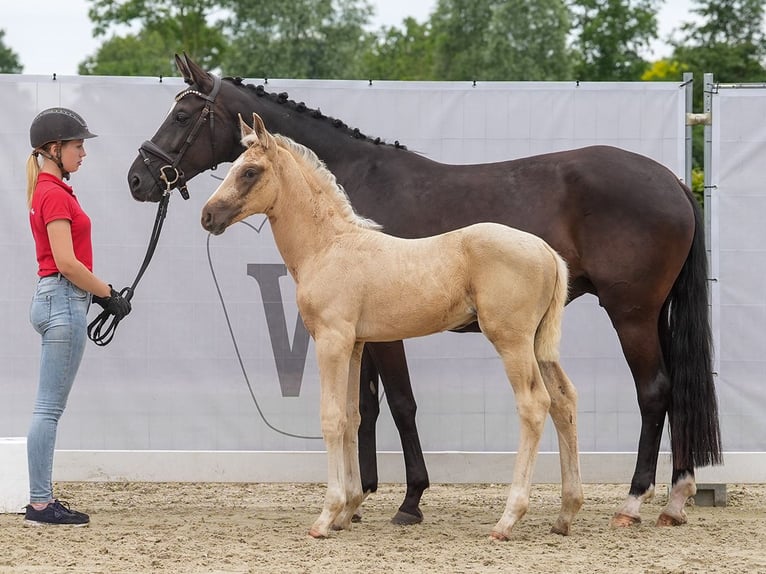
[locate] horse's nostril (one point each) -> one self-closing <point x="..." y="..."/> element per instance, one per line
<point x="134" y="181"/>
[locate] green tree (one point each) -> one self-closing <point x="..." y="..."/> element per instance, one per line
<point x="9" y="61"/>
<point x="400" y="54"/>
<point x="609" y="36"/>
<point x="663" y="70"/>
<point x="500" y="40"/>
<point x="165" y="27"/>
<point x="297" y="39"/>
<point x="142" y="54"/>
<point x="528" y="41"/>
<point x="727" y="40"/>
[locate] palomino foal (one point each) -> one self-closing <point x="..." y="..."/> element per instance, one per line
<point x="356" y="284"/>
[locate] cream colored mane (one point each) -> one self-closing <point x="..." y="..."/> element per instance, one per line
<point x="313" y="163"/>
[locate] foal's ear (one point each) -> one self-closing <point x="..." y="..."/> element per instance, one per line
<point x="260" y="129"/>
<point x="244" y="129"/>
<point x="264" y="137"/>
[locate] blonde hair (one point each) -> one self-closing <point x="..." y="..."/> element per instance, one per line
<point x="33" y="170"/>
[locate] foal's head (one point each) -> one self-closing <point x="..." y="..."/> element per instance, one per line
<point x="251" y="184"/>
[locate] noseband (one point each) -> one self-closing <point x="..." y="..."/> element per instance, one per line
<point x="169" y="175"/>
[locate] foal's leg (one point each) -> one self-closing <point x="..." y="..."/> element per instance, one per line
<point x="333" y="355"/>
<point x="532" y="404"/>
<point x="564" y="414"/>
<point x="350" y="443"/>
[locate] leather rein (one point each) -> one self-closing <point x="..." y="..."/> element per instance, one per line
<point x="101" y="330"/>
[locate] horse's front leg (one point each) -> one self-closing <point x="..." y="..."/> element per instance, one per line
<point x="391" y="363"/>
<point x="333" y="355"/>
<point x="369" y="409"/>
<point x="350" y="443"/>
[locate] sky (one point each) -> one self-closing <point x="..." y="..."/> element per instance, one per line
<point x="54" y="36"/>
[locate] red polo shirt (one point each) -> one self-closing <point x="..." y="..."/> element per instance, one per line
<point x="53" y="199"/>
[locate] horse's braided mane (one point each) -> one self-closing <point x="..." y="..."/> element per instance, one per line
<point x="283" y="99"/>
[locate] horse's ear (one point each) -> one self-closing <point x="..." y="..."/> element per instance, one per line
<point x="192" y="73"/>
<point x="244" y="129"/>
<point x="183" y="67"/>
<point x="260" y="130"/>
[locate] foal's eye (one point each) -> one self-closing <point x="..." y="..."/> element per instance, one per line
<point x="250" y="173"/>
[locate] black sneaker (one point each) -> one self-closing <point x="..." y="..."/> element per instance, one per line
<point x="56" y="512"/>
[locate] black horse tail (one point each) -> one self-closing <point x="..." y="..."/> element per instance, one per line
<point x="686" y="338"/>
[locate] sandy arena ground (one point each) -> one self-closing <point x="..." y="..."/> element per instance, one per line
<point x="206" y="528"/>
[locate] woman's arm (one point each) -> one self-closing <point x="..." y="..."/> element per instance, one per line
<point x="60" y="237"/>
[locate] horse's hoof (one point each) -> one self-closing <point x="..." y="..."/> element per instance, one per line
<point x="623" y="520"/>
<point x="406" y="519"/>
<point x="495" y="535"/>
<point x="356" y="518"/>
<point x="667" y="520"/>
<point x="563" y="530"/>
<point x="316" y="534"/>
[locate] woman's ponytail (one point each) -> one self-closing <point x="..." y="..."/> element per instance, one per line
<point x="33" y="170"/>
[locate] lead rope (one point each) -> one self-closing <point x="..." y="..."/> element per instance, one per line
<point x="101" y="330"/>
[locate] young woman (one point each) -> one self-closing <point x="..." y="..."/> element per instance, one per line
<point x="61" y="231"/>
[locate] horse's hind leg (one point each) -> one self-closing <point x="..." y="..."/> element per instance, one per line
<point x="564" y="414"/>
<point x="640" y="343"/>
<point x="532" y="404"/>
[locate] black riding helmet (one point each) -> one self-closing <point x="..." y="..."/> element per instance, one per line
<point x="57" y="124"/>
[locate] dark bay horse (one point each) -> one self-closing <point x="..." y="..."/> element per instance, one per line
<point x="630" y="231"/>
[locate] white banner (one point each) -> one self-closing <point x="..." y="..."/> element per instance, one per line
<point x="738" y="242"/>
<point x="177" y="374"/>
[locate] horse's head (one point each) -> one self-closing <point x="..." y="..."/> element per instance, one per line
<point x="192" y="138"/>
<point x="251" y="184"/>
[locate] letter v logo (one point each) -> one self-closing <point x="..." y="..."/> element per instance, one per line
<point x="290" y="361"/>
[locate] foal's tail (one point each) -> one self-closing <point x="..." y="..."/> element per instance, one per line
<point x="686" y="340"/>
<point x="548" y="336"/>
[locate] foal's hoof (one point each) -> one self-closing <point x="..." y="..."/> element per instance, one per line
<point x="356" y="518"/>
<point x="495" y="535"/>
<point x="562" y="529"/>
<point x="668" y="520"/>
<point x="316" y="534"/>
<point x="623" y="520"/>
<point x="402" y="518"/>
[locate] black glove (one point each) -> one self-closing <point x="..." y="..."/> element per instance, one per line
<point x="115" y="304"/>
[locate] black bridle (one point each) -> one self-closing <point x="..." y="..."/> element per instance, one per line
<point x="169" y="175"/>
<point x="101" y="330"/>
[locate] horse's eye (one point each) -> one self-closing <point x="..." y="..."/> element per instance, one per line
<point x="182" y="118"/>
<point x="250" y="173"/>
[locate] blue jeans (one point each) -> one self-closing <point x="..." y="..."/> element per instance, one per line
<point x="59" y="313"/>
